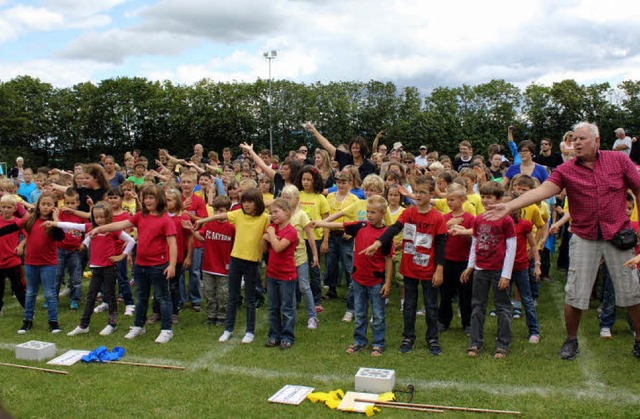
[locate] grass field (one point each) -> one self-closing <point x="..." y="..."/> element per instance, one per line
<point x="235" y="380"/>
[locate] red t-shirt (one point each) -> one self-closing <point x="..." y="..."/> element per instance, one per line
<point x="153" y="231"/>
<point x="367" y="271"/>
<point x="282" y="265"/>
<point x="41" y="249"/>
<point x="457" y="248"/>
<point x="198" y="208"/>
<point x="523" y="227"/>
<point x="182" y="235"/>
<point x="103" y="246"/>
<point x="72" y="238"/>
<point x="218" y="242"/>
<point x="418" y="235"/>
<point x="124" y="215"/>
<point x="491" y="241"/>
<point x="8" y="244"/>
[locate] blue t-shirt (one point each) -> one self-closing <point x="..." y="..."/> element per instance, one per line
<point x="539" y="172"/>
<point x="356" y="191"/>
<point x="25" y="190"/>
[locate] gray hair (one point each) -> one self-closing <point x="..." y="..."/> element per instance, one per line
<point x="593" y="129"/>
<point x="620" y="131"/>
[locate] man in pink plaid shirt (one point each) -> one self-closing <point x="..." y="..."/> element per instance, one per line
<point x="596" y="183"/>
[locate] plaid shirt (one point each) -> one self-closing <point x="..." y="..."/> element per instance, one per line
<point x="597" y="196"/>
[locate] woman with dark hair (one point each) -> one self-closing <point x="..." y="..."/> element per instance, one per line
<point x="528" y="167"/>
<point x="114" y="177"/>
<point x="358" y="155"/>
<point x="288" y="173"/>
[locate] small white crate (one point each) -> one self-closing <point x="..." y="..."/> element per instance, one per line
<point x="35" y="350"/>
<point x="374" y="380"/>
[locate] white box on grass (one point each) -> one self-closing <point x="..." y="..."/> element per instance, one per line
<point x="35" y="350"/>
<point x="374" y="380"/>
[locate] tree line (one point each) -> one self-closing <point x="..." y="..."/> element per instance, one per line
<point x="59" y="126"/>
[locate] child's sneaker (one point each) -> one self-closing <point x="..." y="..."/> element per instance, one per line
<point x="73" y="305"/>
<point x="348" y="317"/>
<point x="605" y="333"/>
<point x="422" y="312"/>
<point x="248" y="338"/>
<point x="225" y="336"/>
<point x="517" y="313"/>
<point x="78" y="331"/>
<point x="534" y="339"/>
<point x="406" y="345"/>
<point x="134" y="332"/>
<point x="492" y="313"/>
<point x="636" y="349"/>
<point x="129" y="310"/>
<point x="319" y="309"/>
<point x="312" y="323"/>
<point x="164" y="336"/>
<point x="434" y="347"/>
<point x="54" y="327"/>
<point x="107" y="330"/>
<point x="101" y="307"/>
<point x="26" y="326"/>
<point x="153" y="318"/>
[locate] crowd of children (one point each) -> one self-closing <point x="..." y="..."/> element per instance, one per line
<point x="205" y="228"/>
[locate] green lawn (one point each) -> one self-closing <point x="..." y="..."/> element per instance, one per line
<point x="233" y="379"/>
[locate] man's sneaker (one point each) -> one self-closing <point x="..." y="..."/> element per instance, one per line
<point x="636" y="349"/>
<point x="248" y="338"/>
<point x="605" y="333"/>
<point x="26" y="326"/>
<point x="73" y="305"/>
<point x="54" y="327"/>
<point x="108" y="329"/>
<point x="406" y="345"/>
<point x="153" y="318"/>
<point x="101" y="307"/>
<point x="134" y="332"/>
<point x="64" y="292"/>
<point x="312" y="323"/>
<point x="164" y="336"/>
<point x="422" y="312"/>
<point x="225" y="336"/>
<point x="348" y="317"/>
<point x="434" y="347"/>
<point x="569" y="350"/>
<point x="129" y="310"/>
<point x="78" y="331"/>
<point x="534" y="339"/>
<point x="174" y="319"/>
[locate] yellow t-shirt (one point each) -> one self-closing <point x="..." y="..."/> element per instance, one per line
<point x="397" y="240"/>
<point x="249" y="231"/>
<point x="300" y="220"/>
<point x="440" y="205"/>
<point x="336" y="206"/>
<point x="268" y="199"/>
<point x="358" y="212"/>
<point x="476" y="201"/>
<point x="315" y="205"/>
<point x="129" y="206"/>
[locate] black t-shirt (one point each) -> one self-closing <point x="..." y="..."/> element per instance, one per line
<point x="95" y="195"/>
<point x="459" y="164"/>
<point x="366" y="168"/>
<point x="552" y="161"/>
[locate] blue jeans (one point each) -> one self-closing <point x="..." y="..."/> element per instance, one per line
<point x="239" y="268"/>
<point x="45" y="274"/>
<point x="282" y="309"/>
<point x="482" y="282"/>
<point x="124" y="287"/>
<point x="362" y="296"/>
<point x="314" y="274"/>
<point x="608" y="313"/>
<point x="340" y="252"/>
<point x="195" y="276"/>
<point x="521" y="279"/>
<point x="534" y="285"/>
<point x="71" y="260"/>
<point x="305" y="289"/>
<point x="145" y="277"/>
<point x="430" y="296"/>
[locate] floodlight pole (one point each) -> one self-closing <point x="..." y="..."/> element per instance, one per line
<point x="270" y="55"/>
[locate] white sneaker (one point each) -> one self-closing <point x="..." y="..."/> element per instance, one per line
<point x="164" y="336"/>
<point x="422" y="312"/>
<point x="225" y="336"/>
<point x="605" y="333"/>
<point x="312" y="323"/>
<point x="348" y="317"/>
<point x="101" y="307"/>
<point x="248" y="338"/>
<point x="129" y="310"/>
<point x="107" y="330"/>
<point x="534" y="339"/>
<point x="64" y="292"/>
<point x="78" y="331"/>
<point x="134" y="332"/>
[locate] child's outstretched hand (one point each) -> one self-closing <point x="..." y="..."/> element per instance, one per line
<point x="466" y="275"/>
<point x="632" y="263"/>
<point x="187" y="225"/>
<point x="49" y="224"/>
<point x="369" y="251"/>
<point x="503" y="283"/>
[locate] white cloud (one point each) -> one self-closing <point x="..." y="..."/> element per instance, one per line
<point x="60" y="73"/>
<point x="17" y="20"/>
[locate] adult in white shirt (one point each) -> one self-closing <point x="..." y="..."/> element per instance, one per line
<point x="623" y="143"/>
<point x="421" y="160"/>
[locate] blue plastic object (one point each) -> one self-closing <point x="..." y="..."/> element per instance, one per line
<point x="102" y="354"/>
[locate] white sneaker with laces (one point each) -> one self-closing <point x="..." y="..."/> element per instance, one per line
<point x="78" y="331"/>
<point x="134" y="332"/>
<point x="312" y="323"/>
<point x="107" y="330"/>
<point x="225" y="336"/>
<point x="164" y="336"/>
<point x="129" y="310"/>
<point x="348" y="317"/>
<point x="605" y="333"/>
<point x="101" y="307"/>
<point x="248" y="338"/>
<point x="422" y="312"/>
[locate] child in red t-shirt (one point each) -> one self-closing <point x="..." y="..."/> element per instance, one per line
<point x="371" y="275"/>
<point x="493" y="250"/>
<point x="281" y="240"/>
<point x="10" y="263"/>
<point x="104" y="255"/>
<point x="69" y="256"/>
<point x="115" y="197"/>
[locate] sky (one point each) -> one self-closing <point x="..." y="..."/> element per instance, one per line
<point x="419" y="43"/>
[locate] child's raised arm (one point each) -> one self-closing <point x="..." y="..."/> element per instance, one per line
<point x="326" y="223"/>
<point x="215" y="217"/>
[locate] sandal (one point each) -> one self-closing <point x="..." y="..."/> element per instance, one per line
<point x="473" y="351"/>
<point x="352" y="349"/>
<point x="376" y="351"/>
<point x="500" y="353"/>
